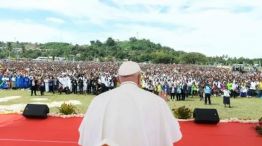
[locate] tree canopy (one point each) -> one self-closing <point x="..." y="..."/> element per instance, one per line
<point x="140" y="50"/>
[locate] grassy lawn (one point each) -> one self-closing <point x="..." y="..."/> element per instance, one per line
<point x="242" y="108"/>
<point x="49" y="98"/>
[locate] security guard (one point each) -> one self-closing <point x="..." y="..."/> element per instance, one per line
<point x="129" y="116"/>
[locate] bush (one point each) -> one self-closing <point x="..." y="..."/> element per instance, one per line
<point x="67" y="109"/>
<point x="259" y="126"/>
<point x="260" y="121"/>
<point x="259" y="129"/>
<point x="183" y="113"/>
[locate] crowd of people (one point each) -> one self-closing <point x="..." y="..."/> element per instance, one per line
<point x="68" y="77"/>
<point x="177" y="81"/>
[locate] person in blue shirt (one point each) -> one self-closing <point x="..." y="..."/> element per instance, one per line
<point x="18" y="81"/>
<point x="27" y="82"/>
<point x="1" y="82"/>
<point x="208" y="91"/>
<point x="166" y="90"/>
<point x="23" y="83"/>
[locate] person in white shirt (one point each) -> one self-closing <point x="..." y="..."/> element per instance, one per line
<point x="46" y="84"/>
<point x="243" y="90"/>
<point x="13" y="82"/>
<point x="253" y="88"/>
<point x="235" y="89"/>
<point x="129" y="116"/>
<point x="226" y="97"/>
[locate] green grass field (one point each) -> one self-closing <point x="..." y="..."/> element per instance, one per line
<point x="27" y="98"/>
<point x="242" y="108"/>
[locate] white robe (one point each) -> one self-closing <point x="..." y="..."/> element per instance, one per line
<point x="46" y="85"/>
<point x="129" y="116"/>
<point x="85" y="85"/>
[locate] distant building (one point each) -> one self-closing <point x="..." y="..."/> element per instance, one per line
<point x="243" y="68"/>
<point x="50" y="58"/>
<point x="17" y="49"/>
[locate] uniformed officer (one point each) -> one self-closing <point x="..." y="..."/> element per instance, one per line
<point x="129" y="116"/>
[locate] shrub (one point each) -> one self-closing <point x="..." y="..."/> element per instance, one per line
<point x="259" y="129"/>
<point x="260" y="121"/>
<point x="183" y="113"/>
<point x="259" y="126"/>
<point x="67" y="109"/>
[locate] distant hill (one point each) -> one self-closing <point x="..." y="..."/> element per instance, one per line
<point x="140" y="50"/>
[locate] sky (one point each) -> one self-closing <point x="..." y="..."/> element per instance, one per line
<point x="211" y="27"/>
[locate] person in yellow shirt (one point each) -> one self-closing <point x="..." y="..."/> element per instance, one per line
<point x="260" y="88"/>
<point x="159" y="90"/>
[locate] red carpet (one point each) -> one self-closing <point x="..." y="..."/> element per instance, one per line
<point x="15" y="130"/>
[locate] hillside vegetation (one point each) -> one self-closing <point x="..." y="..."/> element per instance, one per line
<point x="141" y="50"/>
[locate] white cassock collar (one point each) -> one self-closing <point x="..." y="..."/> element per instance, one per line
<point x="128" y="83"/>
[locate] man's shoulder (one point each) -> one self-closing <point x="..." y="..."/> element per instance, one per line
<point x="107" y="94"/>
<point x="140" y="93"/>
<point x="149" y="96"/>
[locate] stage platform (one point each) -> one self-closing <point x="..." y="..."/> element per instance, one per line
<point x="15" y="130"/>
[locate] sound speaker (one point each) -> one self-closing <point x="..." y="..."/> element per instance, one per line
<point x="209" y="116"/>
<point x="36" y="111"/>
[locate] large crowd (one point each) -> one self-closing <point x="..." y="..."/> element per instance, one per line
<point x="177" y="81"/>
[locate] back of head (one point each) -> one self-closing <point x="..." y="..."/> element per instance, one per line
<point x="129" y="71"/>
<point x="128" y="68"/>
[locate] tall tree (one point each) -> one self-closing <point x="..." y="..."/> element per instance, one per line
<point x="23" y="48"/>
<point x="9" y="48"/>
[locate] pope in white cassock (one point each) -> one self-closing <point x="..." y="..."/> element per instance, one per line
<point x="129" y="116"/>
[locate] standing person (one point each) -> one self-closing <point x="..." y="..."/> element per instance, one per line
<point x="201" y="92"/>
<point x="33" y="86"/>
<point x="260" y="88"/>
<point x="208" y="91"/>
<point x="17" y="81"/>
<point x="226" y="97"/>
<point x="27" y="82"/>
<point x="230" y="88"/>
<point x="160" y="90"/>
<point x="243" y="90"/>
<point x="52" y="85"/>
<point x="74" y="85"/>
<point x="55" y="85"/>
<point x="13" y="78"/>
<point x="150" y="86"/>
<point x="46" y="82"/>
<point x="172" y="92"/>
<point x="88" y="85"/>
<point x="194" y="89"/>
<point x="178" y="92"/>
<point x="81" y="85"/>
<point x="184" y="91"/>
<point x="111" y="114"/>
<point x="235" y="89"/>
<point x="42" y="87"/>
<point x="165" y="91"/>
<point x="253" y="88"/>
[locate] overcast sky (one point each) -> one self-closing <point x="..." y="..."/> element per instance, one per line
<point x="212" y="27"/>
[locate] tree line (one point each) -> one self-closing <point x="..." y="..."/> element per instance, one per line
<point x="140" y="50"/>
